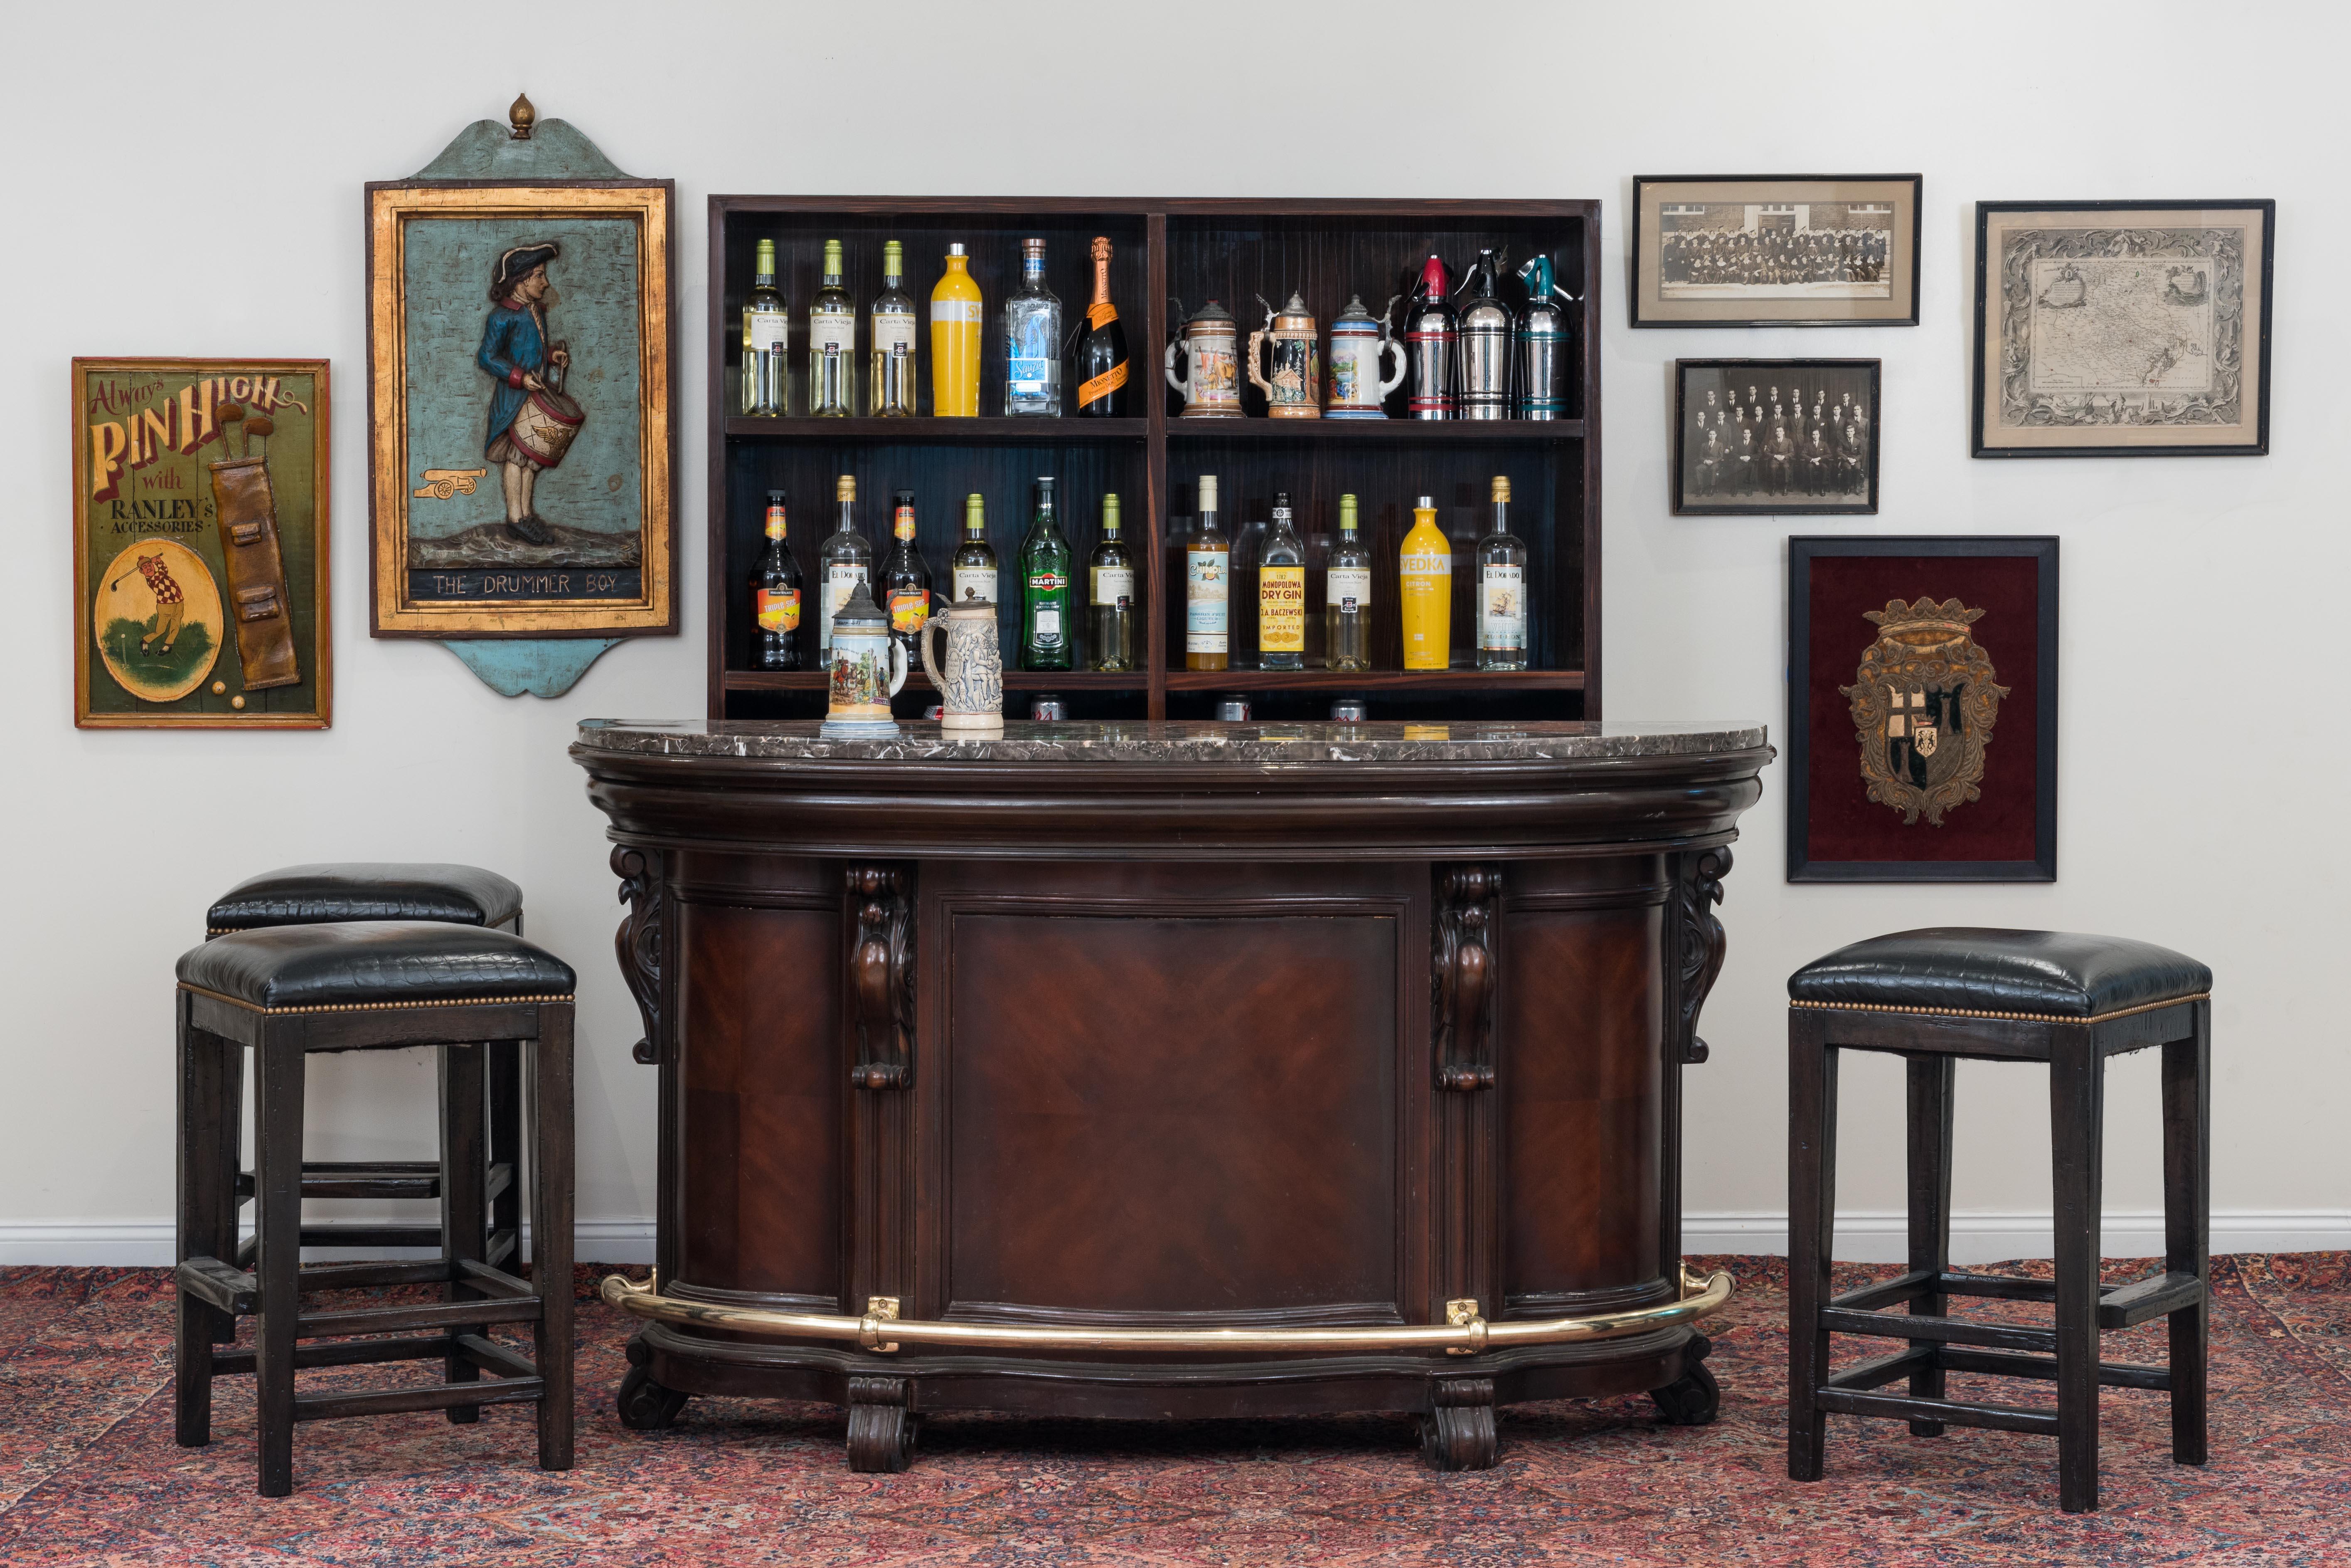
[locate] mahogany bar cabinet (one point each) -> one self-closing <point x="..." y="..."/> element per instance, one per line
<point x="1171" y="1069"/>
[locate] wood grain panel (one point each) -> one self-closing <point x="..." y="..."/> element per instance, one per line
<point x="763" y="1084"/>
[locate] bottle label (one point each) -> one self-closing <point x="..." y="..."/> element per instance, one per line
<point x="1113" y="585"/>
<point x="764" y="329"/>
<point x="774" y="522"/>
<point x="779" y="610"/>
<point x="1048" y="630"/>
<point x="1348" y="590"/>
<point x="839" y="582"/>
<point x="955" y="312"/>
<point x="1204" y="601"/>
<point x="974" y="582"/>
<point x="902" y="523"/>
<point x="832" y="328"/>
<point x="1281" y="609"/>
<point x="894" y="332"/>
<point x="1501" y="608"/>
<point x="1030" y="359"/>
<point x="909" y="609"/>
<point x="1429" y="565"/>
<point x="1095" y="388"/>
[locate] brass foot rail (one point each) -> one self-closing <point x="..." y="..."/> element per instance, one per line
<point x="881" y="1329"/>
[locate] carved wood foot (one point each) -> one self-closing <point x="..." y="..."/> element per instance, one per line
<point x="881" y="1432"/>
<point x="1693" y="1398"/>
<point x="645" y="1406"/>
<point x="1457" y="1433"/>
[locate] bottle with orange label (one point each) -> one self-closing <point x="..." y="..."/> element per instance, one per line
<point x="1282" y="593"/>
<point x="775" y="598"/>
<point x="905" y="579"/>
<point x="956" y="311"/>
<point x="1102" y="363"/>
<point x="1425" y="571"/>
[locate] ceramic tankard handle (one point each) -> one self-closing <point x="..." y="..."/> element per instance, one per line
<point x="1390" y="383"/>
<point x="1255" y="344"/>
<point x="897" y="665"/>
<point x="935" y="624"/>
<point x="1174" y="347"/>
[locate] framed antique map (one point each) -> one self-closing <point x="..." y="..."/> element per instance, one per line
<point x="2122" y="328"/>
<point x="1922" y="709"/>
<point x="1775" y="250"/>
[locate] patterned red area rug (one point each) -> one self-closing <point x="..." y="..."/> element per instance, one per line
<point x="88" y="1473"/>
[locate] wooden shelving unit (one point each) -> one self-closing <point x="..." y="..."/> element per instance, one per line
<point x="1191" y="249"/>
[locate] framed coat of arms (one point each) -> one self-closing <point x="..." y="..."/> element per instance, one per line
<point x="1922" y="709"/>
<point x="522" y="407"/>
<point x="200" y="544"/>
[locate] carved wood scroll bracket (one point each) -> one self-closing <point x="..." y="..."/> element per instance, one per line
<point x="638" y="942"/>
<point x="1466" y="901"/>
<point x="882" y="978"/>
<point x="1700" y="889"/>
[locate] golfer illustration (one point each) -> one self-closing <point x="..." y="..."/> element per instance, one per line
<point x="171" y="604"/>
<point x="531" y="422"/>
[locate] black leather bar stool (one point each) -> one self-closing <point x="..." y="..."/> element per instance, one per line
<point x="334" y="891"/>
<point x="286" y="991"/>
<point x="2071" y="1001"/>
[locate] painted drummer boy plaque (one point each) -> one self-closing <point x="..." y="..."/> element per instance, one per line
<point x="521" y="363"/>
<point x="200" y="544"/>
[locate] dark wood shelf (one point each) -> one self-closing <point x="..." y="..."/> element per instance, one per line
<point x="1373" y="681"/>
<point x="1385" y="431"/>
<point x="1014" y="680"/>
<point x="985" y="432"/>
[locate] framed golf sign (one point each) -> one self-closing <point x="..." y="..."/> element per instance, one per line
<point x="200" y="544"/>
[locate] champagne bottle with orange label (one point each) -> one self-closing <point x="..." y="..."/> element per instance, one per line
<point x="1282" y="593"/>
<point x="956" y="311"/>
<point x="905" y="578"/>
<point x="1103" y="367"/>
<point x="1425" y="572"/>
<point x="775" y="598"/>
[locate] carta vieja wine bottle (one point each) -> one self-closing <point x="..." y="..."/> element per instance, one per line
<point x="1103" y="366"/>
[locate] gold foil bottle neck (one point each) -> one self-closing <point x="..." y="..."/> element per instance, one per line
<point x="1501" y="486"/>
<point x="1109" y="513"/>
<point x="845" y="487"/>
<point x="1347" y="520"/>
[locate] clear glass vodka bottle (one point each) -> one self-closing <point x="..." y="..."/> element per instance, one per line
<point x="1032" y="339"/>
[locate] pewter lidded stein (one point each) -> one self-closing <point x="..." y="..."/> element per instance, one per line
<point x="1487" y="329"/>
<point x="1430" y="330"/>
<point x="1210" y="343"/>
<point x="1296" y="390"/>
<point x="1359" y="346"/>
<point x="865" y="668"/>
<point x="1544" y="342"/>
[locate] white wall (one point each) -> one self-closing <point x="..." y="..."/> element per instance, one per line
<point x="187" y="182"/>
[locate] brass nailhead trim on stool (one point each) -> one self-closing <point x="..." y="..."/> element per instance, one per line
<point x="377" y="1007"/>
<point x="2021" y="1017"/>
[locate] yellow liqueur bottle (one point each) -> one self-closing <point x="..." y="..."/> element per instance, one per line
<point x="1425" y="573"/>
<point x="955" y="312"/>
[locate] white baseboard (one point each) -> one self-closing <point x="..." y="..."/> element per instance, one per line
<point x="1862" y="1237"/>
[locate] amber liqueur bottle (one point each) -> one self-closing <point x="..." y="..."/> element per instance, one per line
<point x="1103" y="367"/>
<point x="775" y="598"/>
<point x="906" y="578"/>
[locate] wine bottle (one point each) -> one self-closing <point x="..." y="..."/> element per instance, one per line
<point x="1425" y="585"/>
<point x="832" y="343"/>
<point x="905" y="579"/>
<point x="766" y="322"/>
<point x="775" y="598"/>
<point x="955" y="316"/>
<point x="1347" y="597"/>
<point x="1502" y="625"/>
<point x="890" y="330"/>
<point x="1032" y="339"/>
<point x="974" y="560"/>
<point x="1103" y="367"/>
<point x="1047" y="638"/>
<point x="1208" y="571"/>
<point x="845" y="562"/>
<point x="1282" y="593"/>
<point x="1110" y="574"/>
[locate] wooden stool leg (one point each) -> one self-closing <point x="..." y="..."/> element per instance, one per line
<point x="2187" y="1224"/>
<point x="505" y="1143"/>
<point x="550" y="1229"/>
<point x="465" y="1197"/>
<point x="2076" y="1116"/>
<point x="277" y="1193"/>
<point x="207" y="1214"/>
<point x="1930" y="1079"/>
<point x="1812" y="1225"/>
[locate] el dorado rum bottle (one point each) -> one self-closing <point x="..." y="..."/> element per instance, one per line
<point x="1282" y="593"/>
<point x="775" y="598"/>
<point x="890" y="329"/>
<point x="1347" y="597"/>
<point x="905" y="579"/>
<point x="832" y="343"/>
<point x="1502" y="589"/>
<point x="1109" y="573"/>
<point x="1208" y="571"/>
<point x="973" y="567"/>
<point x="845" y="560"/>
<point x="1047" y="638"/>
<point x="955" y="312"/>
<point x="1103" y="368"/>
<point x="1425" y="591"/>
<point x="767" y="328"/>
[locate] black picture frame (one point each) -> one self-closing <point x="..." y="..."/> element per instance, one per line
<point x="1902" y="308"/>
<point x="1688" y="499"/>
<point x="2258" y="338"/>
<point x="1802" y="866"/>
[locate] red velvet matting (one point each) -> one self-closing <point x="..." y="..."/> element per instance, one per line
<point x="88" y="1473"/>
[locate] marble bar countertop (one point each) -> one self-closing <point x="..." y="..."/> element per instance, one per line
<point x="1203" y="741"/>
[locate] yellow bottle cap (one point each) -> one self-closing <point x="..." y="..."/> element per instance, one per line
<point x="845" y="488"/>
<point x="1501" y="486"/>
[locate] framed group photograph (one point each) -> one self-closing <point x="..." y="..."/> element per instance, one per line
<point x="2122" y="328"/>
<point x="1775" y="250"/>
<point x="522" y="409"/>
<point x="1922" y="709"/>
<point x="1775" y="436"/>
<point x="200" y="544"/>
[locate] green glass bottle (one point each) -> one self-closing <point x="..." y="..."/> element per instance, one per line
<point x="1047" y="638"/>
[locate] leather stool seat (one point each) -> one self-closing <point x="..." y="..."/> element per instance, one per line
<point x="375" y="964"/>
<point x="1986" y="972"/>
<point x="367" y="890"/>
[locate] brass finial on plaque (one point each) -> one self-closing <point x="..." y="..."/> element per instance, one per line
<point x="522" y="116"/>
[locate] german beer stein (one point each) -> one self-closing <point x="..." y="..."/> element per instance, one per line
<point x="1210" y="343"/>
<point x="1543" y="343"/>
<point x="970" y="673"/>
<point x="863" y="669"/>
<point x="1358" y="344"/>
<point x="1487" y="329"/>
<point x="1295" y="390"/>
